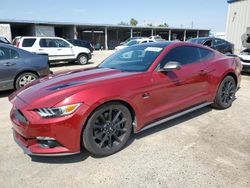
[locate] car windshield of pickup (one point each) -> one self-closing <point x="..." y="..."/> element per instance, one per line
<point x="135" y="58"/>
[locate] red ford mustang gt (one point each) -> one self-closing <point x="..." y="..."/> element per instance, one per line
<point x="134" y="89"/>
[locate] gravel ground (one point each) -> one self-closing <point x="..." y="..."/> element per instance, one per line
<point x="207" y="148"/>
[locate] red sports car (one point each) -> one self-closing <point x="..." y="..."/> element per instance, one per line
<point x="134" y="89"/>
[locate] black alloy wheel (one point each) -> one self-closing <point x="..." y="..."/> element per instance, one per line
<point x="108" y="129"/>
<point x="226" y="93"/>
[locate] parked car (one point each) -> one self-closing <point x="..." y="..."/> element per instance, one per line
<point x="4" y="40"/>
<point x="129" y="39"/>
<point x="220" y="45"/>
<point x="57" y="49"/>
<point x="82" y="43"/>
<point x="19" y="67"/>
<point x="134" y="42"/>
<point x="156" y="38"/>
<point x="136" y="88"/>
<point x="245" y="59"/>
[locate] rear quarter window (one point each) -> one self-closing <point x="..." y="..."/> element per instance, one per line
<point x="205" y="54"/>
<point x="28" y="42"/>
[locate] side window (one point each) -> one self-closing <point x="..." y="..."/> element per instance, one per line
<point x="48" y="43"/>
<point x="43" y="43"/>
<point x="28" y="42"/>
<point x="4" y="53"/>
<point x="218" y="42"/>
<point x="144" y="41"/>
<point x="205" y="54"/>
<point x="61" y="44"/>
<point x="14" y="54"/>
<point x="183" y="54"/>
<point x="208" y="43"/>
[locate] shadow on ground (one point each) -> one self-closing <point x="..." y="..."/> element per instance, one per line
<point x="84" y="154"/>
<point x="5" y="93"/>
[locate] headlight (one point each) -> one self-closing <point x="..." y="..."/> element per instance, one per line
<point x="58" y="111"/>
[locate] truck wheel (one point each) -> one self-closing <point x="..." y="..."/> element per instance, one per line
<point x="82" y="59"/>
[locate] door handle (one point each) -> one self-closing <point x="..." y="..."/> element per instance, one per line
<point x="203" y="72"/>
<point x="59" y="49"/>
<point x="41" y="49"/>
<point x="9" y="64"/>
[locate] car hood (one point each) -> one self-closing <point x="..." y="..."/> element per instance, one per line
<point x="55" y="88"/>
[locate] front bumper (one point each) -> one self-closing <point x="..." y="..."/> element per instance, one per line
<point x="28" y="127"/>
<point x="246" y="66"/>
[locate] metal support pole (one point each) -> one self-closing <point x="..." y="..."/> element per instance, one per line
<point x="185" y="35"/>
<point x="106" y="38"/>
<point x="131" y="33"/>
<point x="75" y="32"/>
<point x="169" y="35"/>
<point x="152" y="32"/>
<point x="198" y="33"/>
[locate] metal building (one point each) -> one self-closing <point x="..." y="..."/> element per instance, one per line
<point x="104" y="36"/>
<point x="238" y="24"/>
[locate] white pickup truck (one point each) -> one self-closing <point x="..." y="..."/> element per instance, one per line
<point x="56" y="48"/>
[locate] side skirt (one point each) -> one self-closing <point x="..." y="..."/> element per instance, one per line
<point x="174" y="116"/>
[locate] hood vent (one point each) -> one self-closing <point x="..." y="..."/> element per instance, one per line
<point x="65" y="85"/>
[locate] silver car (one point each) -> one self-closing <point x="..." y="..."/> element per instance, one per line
<point x="19" y="67"/>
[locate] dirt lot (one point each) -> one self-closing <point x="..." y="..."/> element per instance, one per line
<point x="207" y="148"/>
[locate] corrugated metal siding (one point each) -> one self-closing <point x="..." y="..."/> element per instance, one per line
<point x="5" y="31"/>
<point x="238" y="21"/>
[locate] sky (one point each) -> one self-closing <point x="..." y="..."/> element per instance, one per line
<point x="205" y="14"/>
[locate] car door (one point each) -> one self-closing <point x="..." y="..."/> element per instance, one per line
<point x="48" y="46"/>
<point x="57" y="49"/>
<point x="177" y="90"/>
<point x="64" y="49"/>
<point x="220" y="45"/>
<point x="8" y="67"/>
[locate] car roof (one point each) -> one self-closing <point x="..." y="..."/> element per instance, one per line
<point x="41" y="37"/>
<point x="161" y="44"/>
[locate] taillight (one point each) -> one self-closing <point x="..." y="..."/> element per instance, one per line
<point x="17" y="43"/>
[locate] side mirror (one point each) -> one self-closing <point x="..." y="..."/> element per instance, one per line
<point x="171" y="65"/>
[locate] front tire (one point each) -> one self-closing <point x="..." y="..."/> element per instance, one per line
<point x="108" y="129"/>
<point x="82" y="59"/>
<point x="24" y="79"/>
<point x="225" y="94"/>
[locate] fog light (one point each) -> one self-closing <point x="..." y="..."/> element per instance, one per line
<point x="47" y="142"/>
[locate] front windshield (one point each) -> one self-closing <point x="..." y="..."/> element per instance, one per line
<point x="135" y="58"/>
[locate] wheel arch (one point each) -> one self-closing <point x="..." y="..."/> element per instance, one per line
<point x="232" y="74"/>
<point x="123" y="102"/>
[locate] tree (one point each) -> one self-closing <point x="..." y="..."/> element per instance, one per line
<point x="150" y="25"/>
<point x="133" y="22"/>
<point x="163" y="25"/>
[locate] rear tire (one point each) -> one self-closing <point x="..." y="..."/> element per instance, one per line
<point x="24" y="79"/>
<point x="82" y="59"/>
<point x="108" y="129"/>
<point x="225" y="94"/>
